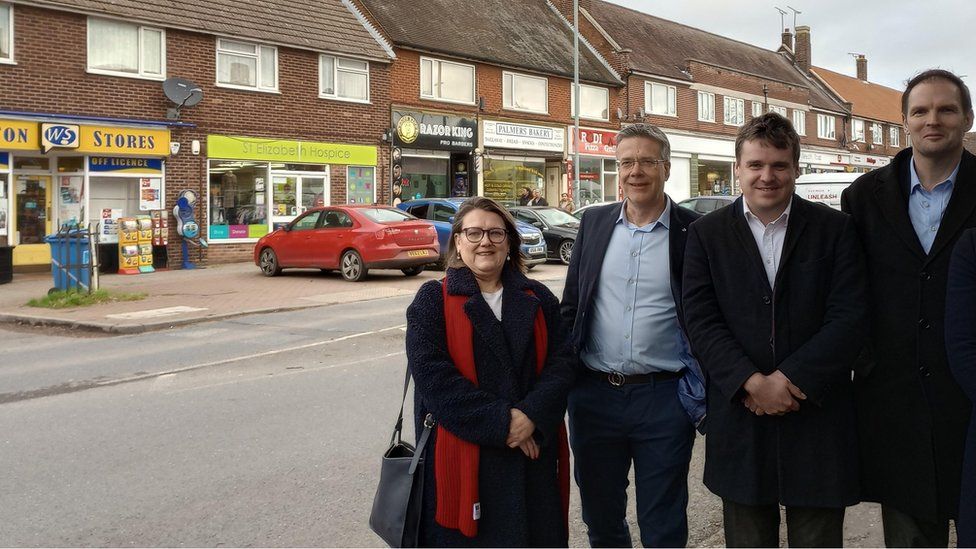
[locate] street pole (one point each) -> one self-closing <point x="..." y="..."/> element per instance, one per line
<point x="576" y="96"/>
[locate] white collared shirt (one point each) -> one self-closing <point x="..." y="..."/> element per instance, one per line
<point x="769" y="239"/>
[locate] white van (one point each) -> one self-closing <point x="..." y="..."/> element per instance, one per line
<point x="824" y="187"/>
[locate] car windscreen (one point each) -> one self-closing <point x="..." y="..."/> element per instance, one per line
<point x="385" y="215"/>
<point x="553" y="216"/>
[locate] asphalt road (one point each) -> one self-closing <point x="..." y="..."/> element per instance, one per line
<point x="260" y="431"/>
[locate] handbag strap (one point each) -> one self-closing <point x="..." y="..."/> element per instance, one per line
<point x="398" y="427"/>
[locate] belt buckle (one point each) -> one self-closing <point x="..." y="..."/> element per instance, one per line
<point x="616" y="379"/>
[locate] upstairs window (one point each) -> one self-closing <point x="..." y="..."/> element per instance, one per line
<point x="706" y="106"/>
<point x="595" y="101"/>
<point x="826" y="128"/>
<point x="734" y="111"/>
<point x="800" y="121"/>
<point x="778" y="110"/>
<point x="757" y="109"/>
<point x="525" y="93"/>
<point x="124" y="49"/>
<point x="857" y="130"/>
<point x="341" y="78"/>
<point x="877" y="137"/>
<point x="6" y="33"/>
<point x="894" y="136"/>
<point x="446" y="81"/>
<point x="246" y="65"/>
<point x="660" y="99"/>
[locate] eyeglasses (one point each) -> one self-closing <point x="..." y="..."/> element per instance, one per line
<point x="630" y="164"/>
<point x="476" y="234"/>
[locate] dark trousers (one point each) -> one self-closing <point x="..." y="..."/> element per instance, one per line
<point x="758" y="525"/>
<point x="644" y="424"/>
<point x="904" y="530"/>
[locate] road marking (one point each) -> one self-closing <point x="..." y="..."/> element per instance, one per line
<point x="156" y="313"/>
<point x="248" y="357"/>
<point x="379" y="292"/>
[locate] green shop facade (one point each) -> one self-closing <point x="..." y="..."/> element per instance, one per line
<point x="256" y="185"/>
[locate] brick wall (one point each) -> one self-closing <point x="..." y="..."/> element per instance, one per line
<point x="50" y="76"/>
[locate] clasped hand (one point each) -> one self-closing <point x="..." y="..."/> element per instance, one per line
<point x="520" y="430"/>
<point x="773" y="394"/>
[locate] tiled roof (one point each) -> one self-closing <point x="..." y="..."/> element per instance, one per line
<point x="872" y="101"/>
<point x="527" y="34"/>
<point x="662" y="47"/>
<point x="969" y="141"/>
<point x="328" y="25"/>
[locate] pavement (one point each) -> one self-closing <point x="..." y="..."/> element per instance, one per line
<point x="180" y="297"/>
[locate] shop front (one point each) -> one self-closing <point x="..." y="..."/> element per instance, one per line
<point x="823" y="161"/>
<point x="522" y="155"/>
<point x="598" y="166"/>
<point x="54" y="174"/>
<point x="256" y="185"/>
<point x="863" y="163"/>
<point x="700" y="166"/>
<point x="432" y="155"/>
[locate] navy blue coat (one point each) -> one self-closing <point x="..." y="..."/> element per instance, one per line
<point x="960" y="323"/>
<point x="520" y="500"/>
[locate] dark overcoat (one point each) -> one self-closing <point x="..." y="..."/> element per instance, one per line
<point x="810" y="328"/>
<point x="912" y="415"/>
<point x="520" y="499"/>
<point x="961" y="348"/>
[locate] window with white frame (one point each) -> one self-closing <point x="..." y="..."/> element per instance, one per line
<point x="595" y="101"/>
<point x="660" y="99"/>
<point x="521" y="92"/>
<point x="125" y="49"/>
<point x="734" y="111"/>
<point x="706" y="106"/>
<point x="446" y="81"/>
<point x="894" y="136"/>
<point x="341" y="78"/>
<point x="757" y="109"/>
<point x="877" y="136"/>
<point x="800" y="121"/>
<point x="826" y="128"/>
<point x="6" y="33"/>
<point x="778" y="110"/>
<point x="247" y="65"/>
<point x="857" y="130"/>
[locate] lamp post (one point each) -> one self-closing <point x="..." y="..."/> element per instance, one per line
<point x="576" y="98"/>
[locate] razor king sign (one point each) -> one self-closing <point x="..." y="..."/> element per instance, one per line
<point x="427" y="130"/>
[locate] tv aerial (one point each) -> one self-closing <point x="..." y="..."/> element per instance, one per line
<point x="182" y="93"/>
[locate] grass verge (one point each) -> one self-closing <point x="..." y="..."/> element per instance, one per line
<point x="71" y="298"/>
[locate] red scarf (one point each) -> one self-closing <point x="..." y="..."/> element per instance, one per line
<point x="456" y="461"/>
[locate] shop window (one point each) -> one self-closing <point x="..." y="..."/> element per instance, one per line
<point x="800" y="121"/>
<point x="590" y="189"/>
<point x="715" y="178"/>
<point x="778" y="110"/>
<point x="425" y="177"/>
<point x="32" y="163"/>
<point x="595" y="102"/>
<point x="706" y="106"/>
<point x="341" y="78"/>
<point x="525" y="93"/>
<point x="757" y="109"/>
<point x="71" y="164"/>
<point x="504" y="177"/>
<point x="446" y="81"/>
<point x="876" y="136"/>
<point x="734" y="111"/>
<point x="826" y="128"/>
<point x="611" y="190"/>
<point x="6" y="33"/>
<point x="3" y="208"/>
<point x="246" y="65"/>
<point x="360" y="185"/>
<point x="660" y="99"/>
<point x="238" y="199"/>
<point x="125" y="49"/>
<point x="857" y="130"/>
<point x="894" y="135"/>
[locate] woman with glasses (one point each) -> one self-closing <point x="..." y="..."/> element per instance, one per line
<point x="492" y="367"/>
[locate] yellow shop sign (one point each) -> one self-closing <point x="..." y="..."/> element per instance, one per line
<point x="111" y="140"/>
<point x="19" y="135"/>
<point x="299" y="152"/>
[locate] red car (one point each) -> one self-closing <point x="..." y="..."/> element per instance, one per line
<point x="352" y="239"/>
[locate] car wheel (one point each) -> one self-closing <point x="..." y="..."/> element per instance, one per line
<point x="565" y="251"/>
<point x="269" y="263"/>
<point x="351" y="266"/>
<point x="413" y="271"/>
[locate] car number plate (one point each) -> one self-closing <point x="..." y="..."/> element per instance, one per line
<point x="417" y="253"/>
<point x="536" y="250"/>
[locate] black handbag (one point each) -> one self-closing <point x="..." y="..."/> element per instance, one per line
<point x="399" y="496"/>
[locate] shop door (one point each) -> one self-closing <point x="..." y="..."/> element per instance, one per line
<point x="32" y="219"/>
<point x="291" y="195"/>
<point x="552" y="185"/>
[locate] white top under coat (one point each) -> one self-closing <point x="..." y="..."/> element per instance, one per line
<point x="769" y="238"/>
<point x="494" y="300"/>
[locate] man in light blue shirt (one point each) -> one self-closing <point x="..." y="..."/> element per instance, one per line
<point x="927" y="206"/>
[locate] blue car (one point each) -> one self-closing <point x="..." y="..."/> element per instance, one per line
<point x="440" y="211"/>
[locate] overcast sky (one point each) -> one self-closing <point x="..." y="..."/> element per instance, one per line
<point x="899" y="37"/>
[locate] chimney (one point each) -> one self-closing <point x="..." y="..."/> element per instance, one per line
<point x="787" y="39"/>
<point x="803" y="57"/>
<point x="862" y="67"/>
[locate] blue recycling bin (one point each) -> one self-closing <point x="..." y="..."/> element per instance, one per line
<point x="70" y="260"/>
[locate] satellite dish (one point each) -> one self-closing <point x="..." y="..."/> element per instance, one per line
<point x="181" y="92"/>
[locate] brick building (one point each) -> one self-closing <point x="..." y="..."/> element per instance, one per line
<point x="501" y="78"/>
<point x="700" y="88"/>
<point x="294" y="107"/>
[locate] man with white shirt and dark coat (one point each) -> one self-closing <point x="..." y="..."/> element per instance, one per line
<point x="773" y="297"/>
<point x="912" y="415"/>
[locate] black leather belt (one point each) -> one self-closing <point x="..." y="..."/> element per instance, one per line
<point x="617" y="379"/>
